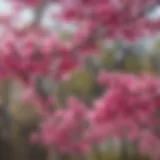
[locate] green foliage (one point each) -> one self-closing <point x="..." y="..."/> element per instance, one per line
<point x="82" y="84"/>
<point x="107" y="59"/>
<point x="23" y="149"/>
<point x="25" y="114"/>
<point x="20" y="143"/>
<point x="155" y="62"/>
<point x="133" y="64"/>
<point x="65" y="35"/>
<point x="5" y="88"/>
<point x="130" y="64"/>
<point x="115" y="155"/>
<point x="156" y="47"/>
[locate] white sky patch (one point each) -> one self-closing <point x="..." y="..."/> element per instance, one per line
<point x="47" y="20"/>
<point x="5" y="8"/>
<point x="24" y="18"/>
<point x="156" y="14"/>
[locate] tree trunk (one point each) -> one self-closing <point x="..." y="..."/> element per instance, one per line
<point x="19" y="143"/>
<point x="124" y="150"/>
<point x="5" y="150"/>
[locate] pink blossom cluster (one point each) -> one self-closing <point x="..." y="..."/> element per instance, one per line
<point x="66" y="129"/>
<point x="128" y="107"/>
<point x="24" y="55"/>
<point x="131" y="103"/>
<point x="31" y="56"/>
<point x="107" y="18"/>
<point x="112" y="19"/>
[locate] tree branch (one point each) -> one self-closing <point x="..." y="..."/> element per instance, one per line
<point x="39" y="12"/>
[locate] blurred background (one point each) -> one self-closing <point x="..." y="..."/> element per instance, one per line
<point x="20" y="119"/>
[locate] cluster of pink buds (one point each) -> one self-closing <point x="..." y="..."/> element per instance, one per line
<point x="131" y="103"/>
<point x="66" y="129"/>
<point x="128" y="107"/>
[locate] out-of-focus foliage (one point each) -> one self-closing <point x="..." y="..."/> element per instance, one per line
<point x="20" y="144"/>
<point x="156" y="47"/>
<point x="22" y="148"/>
<point x="134" y="63"/>
<point x="130" y="62"/>
<point x="107" y="59"/>
<point x="25" y="114"/>
<point x="116" y="155"/>
<point x="82" y="84"/>
<point x="155" y="62"/>
<point x="65" y="35"/>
